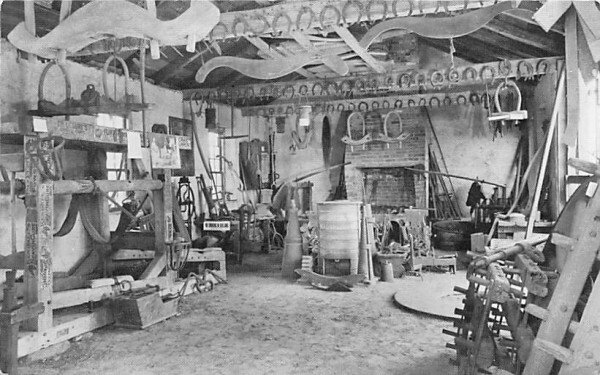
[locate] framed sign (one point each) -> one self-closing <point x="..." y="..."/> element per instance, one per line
<point x="181" y="126"/>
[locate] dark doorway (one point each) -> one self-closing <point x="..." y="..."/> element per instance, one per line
<point x="326" y="141"/>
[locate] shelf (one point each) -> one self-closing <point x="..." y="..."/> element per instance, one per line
<point x="79" y="134"/>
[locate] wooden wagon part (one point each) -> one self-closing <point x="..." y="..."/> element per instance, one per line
<point x="117" y="19"/>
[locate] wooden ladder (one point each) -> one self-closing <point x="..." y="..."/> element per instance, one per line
<point x="444" y="199"/>
<point x="583" y="355"/>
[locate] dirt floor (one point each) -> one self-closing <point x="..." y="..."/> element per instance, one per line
<point x="260" y="324"/>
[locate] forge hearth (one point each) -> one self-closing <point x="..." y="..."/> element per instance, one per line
<point x="389" y="188"/>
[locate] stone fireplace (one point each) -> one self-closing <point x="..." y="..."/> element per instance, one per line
<point x="376" y="174"/>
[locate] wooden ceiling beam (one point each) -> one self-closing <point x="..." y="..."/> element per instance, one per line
<point x="463" y="53"/>
<point x="516" y="34"/>
<point x="264" y="47"/>
<point x="525" y="16"/>
<point x="383" y="80"/>
<point x="351" y="41"/>
<point x="332" y="61"/>
<point x="331" y="12"/>
<point x="504" y="46"/>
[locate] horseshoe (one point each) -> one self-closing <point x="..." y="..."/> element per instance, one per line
<point x="492" y="71"/>
<point x="330" y="108"/>
<point x="529" y="71"/>
<point x="363" y="106"/>
<point x="237" y="21"/>
<point x="211" y="36"/>
<point x="358" y="5"/>
<point x="364" y="125"/>
<point x="385" y="104"/>
<point x="303" y="90"/>
<point x="274" y="91"/>
<point x="375" y="106"/>
<point x="436" y="99"/>
<point x="453" y="76"/>
<point x="504" y="68"/>
<point x="370" y="4"/>
<point x="289" y="110"/>
<point x="422" y="102"/>
<point x="385" y="124"/>
<point x="405" y="80"/>
<point x="420" y="79"/>
<point x="474" y="98"/>
<point x="461" y="99"/>
<point x="470" y="74"/>
<point x="345" y="86"/>
<point x="542" y="67"/>
<point x="262" y="93"/>
<point x="389" y="82"/>
<point x="340" y="107"/>
<point x="287" y="88"/>
<point x="276" y="21"/>
<point x="411" y="103"/>
<point x="247" y="94"/>
<point x="265" y="24"/>
<point x="437" y="79"/>
<point x="398" y="103"/>
<point x="395" y="8"/>
<point x="351" y="106"/>
<point x="271" y="111"/>
<point x="338" y="15"/>
<point x="359" y="84"/>
<point x="332" y="88"/>
<point x="320" y="89"/>
<point x="301" y="13"/>
<point x="447" y="101"/>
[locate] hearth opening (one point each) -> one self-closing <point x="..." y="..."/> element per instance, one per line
<point x="390" y="189"/>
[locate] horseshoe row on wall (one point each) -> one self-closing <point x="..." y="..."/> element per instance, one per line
<point x="278" y="20"/>
<point x="397" y="102"/>
<point x="409" y="80"/>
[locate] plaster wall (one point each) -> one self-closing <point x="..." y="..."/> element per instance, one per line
<point x="19" y="93"/>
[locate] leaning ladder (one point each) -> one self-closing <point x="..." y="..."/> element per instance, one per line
<point x="583" y="355"/>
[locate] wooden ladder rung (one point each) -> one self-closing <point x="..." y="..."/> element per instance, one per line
<point x="563" y="241"/>
<point x="557" y="351"/>
<point x="542" y="313"/>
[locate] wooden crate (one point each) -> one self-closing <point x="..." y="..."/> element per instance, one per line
<point x="142" y="310"/>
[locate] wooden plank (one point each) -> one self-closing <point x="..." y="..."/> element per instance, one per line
<point x="592" y="42"/>
<point x="573" y="84"/>
<point x="335" y="63"/>
<point x="87" y="186"/>
<point x="128" y="254"/>
<point x="12" y="162"/>
<point x="558" y="102"/>
<point x="76" y="297"/>
<point x="98" y="204"/>
<point x="589" y="15"/>
<point x="264" y="47"/>
<point x="85" y="134"/>
<point x="550" y="13"/>
<point x="32" y="342"/>
<point x="39" y="224"/>
<point x="65" y="10"/>
<point x="351" y="41"/>
<point x="524" y="37"/>
<point x="586" y="342"/>
<point x="568" y="290"/>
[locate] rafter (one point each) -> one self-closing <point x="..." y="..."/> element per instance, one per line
<point x="351" y="41"/>
<point x="332" y="61"/>
<point x="264" y="47"/>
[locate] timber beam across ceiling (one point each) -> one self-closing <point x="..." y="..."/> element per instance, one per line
<point x="319" y="16"/>
<point x="384" y="103"/>
<point x="397" y="81"/>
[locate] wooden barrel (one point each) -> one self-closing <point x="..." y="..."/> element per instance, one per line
<point x="339" y="231"/>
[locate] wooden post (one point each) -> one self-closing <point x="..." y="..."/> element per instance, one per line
<point x="39" y="204"/>
<point x="29" y="10"/>
<point x="163" y="227"/>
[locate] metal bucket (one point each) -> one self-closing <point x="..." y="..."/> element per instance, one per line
<point x="339" y="231"/>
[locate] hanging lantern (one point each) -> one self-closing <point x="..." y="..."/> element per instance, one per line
<point x="304" y="118"/>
